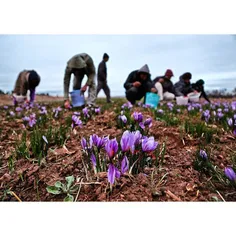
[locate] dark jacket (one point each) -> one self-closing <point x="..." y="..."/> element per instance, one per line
<point x="200" y="88"/>
<point x="102" y="71"/>
<point x="167" y="84"/>
<point x="181" y="88"/>
<point x="133" y="77"/>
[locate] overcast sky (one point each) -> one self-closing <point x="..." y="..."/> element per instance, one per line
<point x="207" y="56"/>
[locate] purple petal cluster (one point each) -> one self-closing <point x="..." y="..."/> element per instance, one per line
<point x="149" y="144"/>
<point x="230" y="174"/>
<point x="203" y="154"/>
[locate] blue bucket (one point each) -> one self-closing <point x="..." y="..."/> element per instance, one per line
<point x="77" y="98"/>
<point x="152" y="99"/>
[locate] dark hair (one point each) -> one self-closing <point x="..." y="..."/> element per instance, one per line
<point x="200" y="82"/>
<point x="34" y="79"/>
<point x="187" y="75"/>
<point x="105" y="56"/>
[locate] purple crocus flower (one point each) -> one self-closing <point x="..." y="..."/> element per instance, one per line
<point x="140" y="104"/>
<point x="220" y="114"/>
<point x="149" y="144"/>
<point x="113" y="173"/>
<point x="141" y="125"/>
<point x="43" y="111"/>
<point x="138" y="116"/>
<point x="178" y="110"/>
<point x="229" y="172"/>
<point x="137" y="137"/>
<point x="206" y="115"/>
<point x="26" y="118"/>
<point x="170" y="105"/>
<point x="76" y="113"/>
<point x="97" y="110"/>
<point x="111" y="147"/>
<point x="56" y="111"/>
<point x="85" y="112"/>
<point x="5" y="107"/>
<point x="234" y="132"/>
<point x="235" y="116"/>
<point x="32" y="120"/>
<point x="123" y="118"/>
<point x="127" y="141"/>
<point x="84" y="143"/>
<point x="93" y="159"/>
<point x="160" y="111"/>
<point x="148" y="122"/>
<point x="97" y="141"/>
<point x="124" y="165"/>
<point x="203" y="154"/>
<point x="76" y="122"/>
<point x="230" y="121"/>
<point x="233" y="105"/>
<point x="12" y="113"/>
<point x="101" y="142"/>
<point x="19" y="109"/>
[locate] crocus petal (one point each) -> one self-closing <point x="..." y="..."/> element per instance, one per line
<point x="45" y="139"/>
<point x="111" y="174"/>
<point x="124" y="165"/>
<point x="84" y="143"/>
<point x="141" y="125"/>
<point x="93" y="159"/>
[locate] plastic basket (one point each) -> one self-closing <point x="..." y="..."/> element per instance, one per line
<point x="77" y="98"/>
<point x="152" y="99"/>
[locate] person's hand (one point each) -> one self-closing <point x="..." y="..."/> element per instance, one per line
<point x="153" y="90"/>
<point x="67" y="104"/>
<point x="136" y="84"/>
<point x="195" y="91"/>
<point x="161" y="80"/>
<point x="84" y="88"/>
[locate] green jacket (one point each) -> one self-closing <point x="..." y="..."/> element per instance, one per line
<point x="79" y="61"/>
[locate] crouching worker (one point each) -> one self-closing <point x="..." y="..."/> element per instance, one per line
<point x="80" y="65"/>
<point x="164" y="86"/>
<point x="184" y="87"/>
<point x="26" y="84"/>
<point x="199" y="87"/>
<point x="138" y="84"/>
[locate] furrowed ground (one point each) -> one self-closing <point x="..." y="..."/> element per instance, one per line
<point x="35" y="158"/>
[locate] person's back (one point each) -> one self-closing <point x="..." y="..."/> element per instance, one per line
<point x="80" y="65"/>
<point x="183" y="86"/>
<point x="27" y="80"/>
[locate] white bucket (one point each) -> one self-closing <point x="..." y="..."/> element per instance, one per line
<point x="180" y="100"/>
<point x="194" y="97"/>
<point x="77" y="98"/>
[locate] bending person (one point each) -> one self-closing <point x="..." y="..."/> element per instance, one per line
<point x="80" y="65"/>
<point x="26" y="83"/>
<point x="199" y="87"/>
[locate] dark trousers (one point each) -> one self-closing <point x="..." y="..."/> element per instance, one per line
<point x="133" y="94"/>
<point x="103" y="85"/>
<point x="77" y="82"/>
